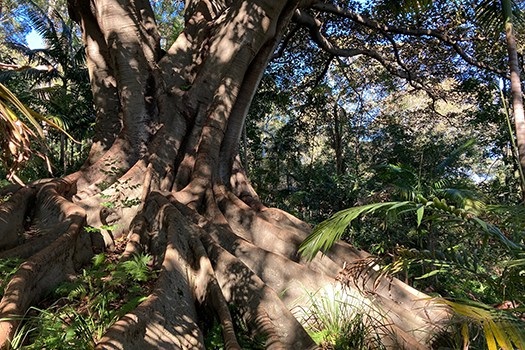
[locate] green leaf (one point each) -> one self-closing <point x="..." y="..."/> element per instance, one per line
<point x="419" y="212"/>
<point x="496" y="233"/>
<point x="516" y="263"/>
<point x="431" y="273"/>
<point x="99" y="259"/>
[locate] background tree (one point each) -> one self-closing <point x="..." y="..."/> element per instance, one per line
<point x="515" y="83"/>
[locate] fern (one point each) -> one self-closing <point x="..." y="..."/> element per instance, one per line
<point x="86" y="306"/>
<point x="136" y="268"/>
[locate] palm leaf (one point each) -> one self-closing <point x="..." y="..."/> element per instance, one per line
<point x="329" y="231"/>
<point x="490" y="17"/>
<point x="18" y="133"/>
<point x="501" y="328"/>
<point x="7" y="97"/>
<point x="496" y="233"/>
<point x="455" y="154"/>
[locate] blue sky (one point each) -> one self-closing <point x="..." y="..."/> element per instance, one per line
<point x="34" y="40"/>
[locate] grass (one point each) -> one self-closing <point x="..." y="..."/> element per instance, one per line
<point x="337" y="320"/>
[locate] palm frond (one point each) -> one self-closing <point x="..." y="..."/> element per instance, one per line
<point x="441" y="260"/>
<point x="490" y="17"/>
<point x="455" y="154"/>
<point x="17" y="133"/>
<point x="40" y="74"/>
<point x="466" y="197"/>
<point x="329" y="231"/>
<point x="79" y="58"/>
<point x="403" y="178"/>
<point x="495" y="232"/>
<point x="42" y="24"/>
<point x="502" y="330"/>
<point x="7" y="97"/>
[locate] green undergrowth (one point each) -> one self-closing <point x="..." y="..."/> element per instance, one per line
<point x="213" y="339"/>
<point x="338" y="321"/>
<point x="8" y="267"/>
<point x="78" y="312"/>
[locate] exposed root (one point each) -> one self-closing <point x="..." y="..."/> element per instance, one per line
<point x="247" y="224"/>
<point x="220" y="306"/>
<point x="34" y="217"/>
<point x="168" y="318"/>
<point x="407" y="308"/>
<point x="207" y="290"/>
<point x="106" y="170"/>
<point x="113" y="208"/>
<point x="234" y="255"/>
<point x="12" y="217"/>
<point x="258" y="304"/>
<point x="186" y="266"/>
<point x="137" y="237"/>
<point x="52" y="265"/>
<point x="242" y="187"/>
<point x="10" y="189"/>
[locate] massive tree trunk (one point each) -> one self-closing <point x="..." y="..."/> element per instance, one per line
<point x="166" y="154"/>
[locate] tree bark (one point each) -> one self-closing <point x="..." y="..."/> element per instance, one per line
<point x="166" y="155"/>
<point x="515" y="88"/>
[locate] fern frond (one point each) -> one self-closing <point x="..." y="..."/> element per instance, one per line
<point x="137" y="268"/>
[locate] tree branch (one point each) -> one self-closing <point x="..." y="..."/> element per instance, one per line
<point x="419" y="32"/>
<point x="314" y="27"/>
<point x="284" y="42"/>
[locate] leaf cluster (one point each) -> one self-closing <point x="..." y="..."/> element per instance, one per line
<point x="51" y="81"/>
<point x="19" y="127"/>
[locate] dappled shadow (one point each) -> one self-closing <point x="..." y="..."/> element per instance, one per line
<point x="54" y="263"/>
<point x="168" y="318"/>
<point x="402" y="313"/>
<point x="258" y="304"/>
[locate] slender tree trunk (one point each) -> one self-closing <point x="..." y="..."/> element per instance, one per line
<point x="338" y="136"/>
<point x="515" y="87"/>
